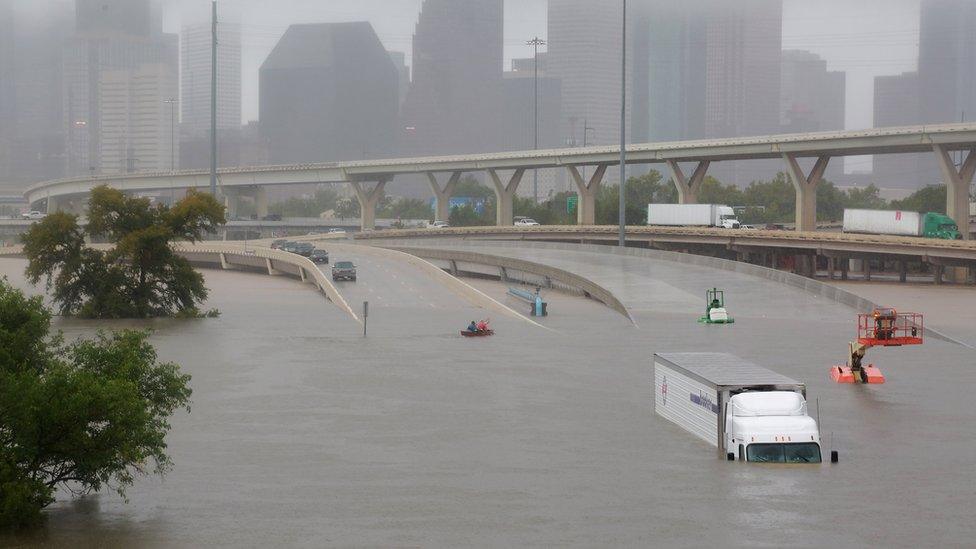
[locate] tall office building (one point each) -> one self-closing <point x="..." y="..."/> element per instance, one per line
<point x="812" y="99"/>
<point x="400" y="62"/>
<point x="744" y="48"/>
<point x="329" y="92"/>
<point x="195" y="82"/>
<point x="117" y="47"/>
<point x="519" y="126"/>
<point x="669" y="70"/>
<point x="584" y="54"/>
<point x="456" y="93"/>
<point x="897" y="103"/>
<point x="947" y="60"/>
<point x="7" y="57"/>
<point x="742" y="82"/>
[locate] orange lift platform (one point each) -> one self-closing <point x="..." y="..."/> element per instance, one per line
<point x="883" y="327"/>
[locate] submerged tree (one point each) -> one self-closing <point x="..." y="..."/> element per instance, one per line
<point x="141" y="276"/>
<point x="84" y="416"/>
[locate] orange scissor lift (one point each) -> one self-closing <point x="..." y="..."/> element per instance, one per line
<point x="883" y="327"/>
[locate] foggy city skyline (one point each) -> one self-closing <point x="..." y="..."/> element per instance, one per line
<point x="872" y="44"/>
<point x="890" y="46"/>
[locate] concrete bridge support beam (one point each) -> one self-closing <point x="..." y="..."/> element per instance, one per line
<point x="261" y="202"/>
<point x="505" y="195"/>
<point x="806" y="190"/>
<point x="368" y="198"/>
<point x="443" y="195"/>
<point x="957" y="182"/>
<point x="232" y="201"/>
<point x="688" y="188"/>
<point x="586" y="209"/>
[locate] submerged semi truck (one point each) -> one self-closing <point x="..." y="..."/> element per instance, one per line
<point x="747" y="412"/>
<point x="926" y="225"/>
<point x="692" y="215"/>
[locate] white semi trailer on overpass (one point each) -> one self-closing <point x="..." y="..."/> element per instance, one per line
<point x="692" y="215"/>
<point x="742" y="409"/>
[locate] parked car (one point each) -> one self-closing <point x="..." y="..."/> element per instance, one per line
<point x="271" y="217"/>
<point x="277" y="244"/>
<point x="749" y="227"/>
<point x="439" y="225"/>
<point x="34" y="214"/>
<point x="344" y="270"/>
<point x="304" y="249"/>
<point x="526" y="222"/>
<point x="337" y="231"/>
<point x="289" y="246"/>
<point x="319" y="256"/>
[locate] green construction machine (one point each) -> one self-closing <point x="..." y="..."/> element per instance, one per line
<point x="715" y="312"/>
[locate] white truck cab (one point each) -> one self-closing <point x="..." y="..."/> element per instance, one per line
<point x="771" y="427"/>
<point x="726" y="218"/>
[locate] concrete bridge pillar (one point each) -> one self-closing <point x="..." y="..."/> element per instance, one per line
<point x="586" y="209"/>
<point x="505" y="195"/>
<point x="957" y="184"/>
<point x="442" y="196"/>
<point x="232" y="201"/>
<point x="806" y="190"/>
<point x="261" y="202"/>
<point x="368" y="199"/>
<point x="688" y="188"/>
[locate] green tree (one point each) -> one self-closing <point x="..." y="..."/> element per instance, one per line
<point x="927" y="199"/>
<point x="772" y="201"/>
<point x="469" y="187"/>
<point x="865" y="198"/>
<point x="407" y="208"/>
<point x="830" y="202"/>
<point x="141" y="276"/>
<point x="650" y="188"/>
<point x="84" y="416"/>
<point x="322" y="201"/>
<point x="714" y="192"/>
<point x="466" y="216"/>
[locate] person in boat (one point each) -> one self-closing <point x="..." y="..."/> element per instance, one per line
<point x="472" y="327"/>
<point x="482" y="326"/>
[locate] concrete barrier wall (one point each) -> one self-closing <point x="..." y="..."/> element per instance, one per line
<point x="271" y="262"/>
<point x="571" y="280"/>
<point x="466" y="291"/>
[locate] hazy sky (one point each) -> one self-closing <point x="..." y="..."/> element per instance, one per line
<point x="864" y="37"/>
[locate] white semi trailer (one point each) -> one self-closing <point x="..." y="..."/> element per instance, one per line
<point x="692" y="215"/>
<point x="742" y="409"/>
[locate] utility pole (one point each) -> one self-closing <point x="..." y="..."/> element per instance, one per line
<point x="586" y="130"/>
<point x="622" y="237"/>
<point x="536" y="42"/>
<point x="172" y="133"/>
<point x="213" y="103"/>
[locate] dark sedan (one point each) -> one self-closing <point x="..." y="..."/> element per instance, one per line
<point x="319" y="256"/>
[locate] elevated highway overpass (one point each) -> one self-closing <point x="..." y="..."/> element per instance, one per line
<point x="506" y="170"/>
<point x="801" y="251"/>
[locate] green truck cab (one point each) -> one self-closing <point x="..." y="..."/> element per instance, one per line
<point x="936" y="225"/>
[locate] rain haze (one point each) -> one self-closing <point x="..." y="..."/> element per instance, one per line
<point x="483" y="273"/>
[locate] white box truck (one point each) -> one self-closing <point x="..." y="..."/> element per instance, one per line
<point x="900" y="223"/>
<point x="692" y="215"/>
<point x="742" y="409"/>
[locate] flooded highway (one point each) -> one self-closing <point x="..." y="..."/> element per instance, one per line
<point x="305" y="433"/>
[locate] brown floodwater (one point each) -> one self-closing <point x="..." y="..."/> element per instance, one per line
<point x="305" y="433"/>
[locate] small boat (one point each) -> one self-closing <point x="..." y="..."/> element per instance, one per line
<point x="480" y="333"/>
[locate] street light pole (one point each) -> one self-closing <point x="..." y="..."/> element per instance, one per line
<point x="536" y="42"/>
<point x="172" y="133"/>
<point x="213" y="102"/>
<point x="622" y="237"/>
